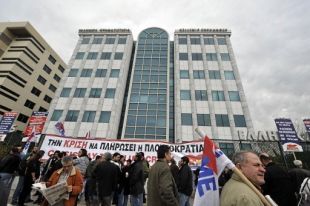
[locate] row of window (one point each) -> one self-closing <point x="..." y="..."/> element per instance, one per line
<point x="104" y="55"/>
<point x="99" y="73"/>
<point x="46" y="98"/>
<point x="48" y="71"/>
<point x="206" y="40"/>
<point x="94" y="92"/>
<point x="213" y="74"/>
<point x="220" y="119"/>
<point x="209" y="56"/>
<point x="201" y="95"/>
<point x="88" y="116"/>
<point x="30" y="105"/>
<point x="108" y="40"/>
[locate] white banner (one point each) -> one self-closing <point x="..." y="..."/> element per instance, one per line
<point x="128" y="148"/>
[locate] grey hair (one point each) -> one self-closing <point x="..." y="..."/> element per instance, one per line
<point x="66" y="159"/>
<point x="240" y="157"/>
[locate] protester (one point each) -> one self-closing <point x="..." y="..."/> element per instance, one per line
<point x="277" y="183"/>
<point x="106" y="174"/>
<point x="125" y="174"/>
<point x="136" y="181"/>
<point x="297" y="175"/>
<point x="174" y="170"/>
<point x="185" y="182"/>
<point x="8" y="166"/>
<point x="115" y="159"/>
<point x="235" y="192"/>
<point x="51" y="165"/>
<point x="161" y="186"/>
<point x="90" y="186"/>
<point x="82" y="162"/>
<point x="32" y="173"/>
<point x="146" y="171"/>
<point x="72" y="176"/>
<point x="121" y="179"/>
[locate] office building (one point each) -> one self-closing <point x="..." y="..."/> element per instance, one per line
<point x="30" y="71"/>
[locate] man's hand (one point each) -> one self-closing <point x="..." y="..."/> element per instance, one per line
<point x="69" y="188"/>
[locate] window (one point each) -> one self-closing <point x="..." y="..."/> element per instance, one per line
<point x="245" y="146"/>
<point x="183" y="56"/>
<point x="209" y="41"/>
<point x="229" y="75"/>
<point x="29" y="104"/>
<point x="199" y="74"/>
<point x="110" y="40"/>
<point x="47" y="69"/>
<point x="72" y="115"/>
<point x="225" y="57"/>
<point x="182" y="40"/>
<point x="95" y="93"/>
<point x="86" y="73"/>
<point x="47" y="98"/>
<point x="184" y="74"/>
<point x="201" y="95"/>
<point x="222" y="120"/>
<point x="85" y="40"/>
<point x="80" y="55"/>
<point x="52" y="59"/>
<point x="185" y="94"/>
<point x="79" y="92"/>
<point x="60" y="68"/>
<point x="186" y="119"/>
<point x="118" y="55"/>
<point x="41" y="80"/>
<point x="22" y="118"/>
<point x="203" y="120"/>
<point x="221" y="41"/>
<point x="218" y="96"/>
<point x="36" y="91"/>
<point x="110" y="93"/>
<point x="42" y="109"/>
<point x="97" y="40"/>
<point x="114" y="73"/>
<point x="211" y="57"/>
<point x="101" y="73"/>
<point x="104" y="116"/>
<point x="65" y="92"/>
<point x="214" y="74"/>
<point x="92" y="55"/>
<point x="122" y="40"/>
<point x="195" y="40"/>
<point x="234" y="96"/>
<point x="196" y="56"/>
<point x="57" y="78"/>
<point x="106" y="55"/>
<point x="73" y="72"/>
<point x="56" y="115"/>
<point x="52" y="88"/>
<point x="239" y="121"/>
<point x="227" y="148"/>
<point x="89" y="116"/>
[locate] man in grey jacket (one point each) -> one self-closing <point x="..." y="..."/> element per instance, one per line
<point x="161" y="186"/>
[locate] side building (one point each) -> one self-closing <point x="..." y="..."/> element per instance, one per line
<point x="30" y="71"/>
<point x="91" y="94"/>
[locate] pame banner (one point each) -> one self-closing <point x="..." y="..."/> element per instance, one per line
<point x="288" y="135"/>
<point x="6" y="123"/>
<point x="128" y="148"/>
<point x="307" y="125"/>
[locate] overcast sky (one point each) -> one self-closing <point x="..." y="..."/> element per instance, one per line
<point x="271" y="39"/>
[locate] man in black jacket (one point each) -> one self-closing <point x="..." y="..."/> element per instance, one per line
<point x="106" y="174"/>
<point x="298" y="175"/>
<point x="136" y="181"/>
<point x="8" y="165"/>
<point x="185" y="182"/>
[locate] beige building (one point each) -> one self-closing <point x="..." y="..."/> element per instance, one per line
<point x="30" y="71"/>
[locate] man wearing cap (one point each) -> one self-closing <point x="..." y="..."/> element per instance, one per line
<point x="297" y="175"/>
<point x="277" y="182"/>
<point x="106" y="174"/>
<point x="161" y="187"/>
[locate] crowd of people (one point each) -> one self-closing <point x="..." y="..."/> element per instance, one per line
<point x="111" y="179"/>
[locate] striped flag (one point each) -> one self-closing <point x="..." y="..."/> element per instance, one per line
<point x="30" y="139"/>
<point x="87" y="136"/>
<point x="60" y="128"/>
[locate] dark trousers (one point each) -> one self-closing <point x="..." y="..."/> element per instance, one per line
<point x="26" y="190"/>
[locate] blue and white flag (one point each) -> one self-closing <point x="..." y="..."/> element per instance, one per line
<point x="212" y="165"/>
<point x="30" y="139"/>
<point x="60" y="128"/>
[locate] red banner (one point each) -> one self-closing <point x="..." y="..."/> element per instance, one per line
<point x="37" y="120"/>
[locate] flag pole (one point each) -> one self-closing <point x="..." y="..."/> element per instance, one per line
<point x="242" y="177"/>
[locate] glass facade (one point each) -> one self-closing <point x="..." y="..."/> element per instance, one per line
<point x="147" y="113"/>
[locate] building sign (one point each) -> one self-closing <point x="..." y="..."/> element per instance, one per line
<point x="128" y="148"/>
<point x="307" y="125"/>
<point x="6" y="123"/>
<point x="37" y="120"/>
<point x="288" y="135"/>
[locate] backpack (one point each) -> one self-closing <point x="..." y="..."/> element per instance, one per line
<point x="304" y="192"/>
